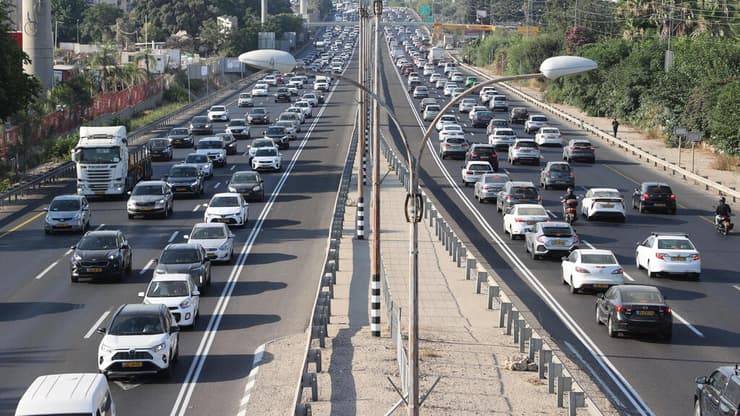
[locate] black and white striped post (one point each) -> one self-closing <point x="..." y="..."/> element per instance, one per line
<point x="362" y="132"/>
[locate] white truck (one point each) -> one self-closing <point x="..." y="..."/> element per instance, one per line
<point x="435" y="54"/>
<point x="106" y="164"/>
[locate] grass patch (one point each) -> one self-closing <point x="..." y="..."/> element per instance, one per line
<point x="428" y="354"/>
<point x="653" y="134"/>
<point x="149" y="116"/>
<point x="725" y="162"/>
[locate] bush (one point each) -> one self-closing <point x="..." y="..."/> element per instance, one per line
<point x="62" y="146"/>
<point x="175" y="94"/>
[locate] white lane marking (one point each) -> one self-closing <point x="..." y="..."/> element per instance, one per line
<point x="591" y="246"/>
<point x="145" y="268"/>
<point x="232" y="167"/>
<point x="172" y="237"/>
<point x="97" y="323"/>
<point x="688" y="325"/>
<point x="126" y="386"/>
<point x="46" y="270"/>
<point x="216" y="185"/>
<point x="68" y="252"/>
<point x="551" y="214"/>
<point x="736" y="287"/>
<point x="506" y="171"/>
<point x="99" y="227"/>
<point x="251" y="380"/>
<point x="195" y="208"/>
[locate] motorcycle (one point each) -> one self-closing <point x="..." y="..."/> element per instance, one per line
<point x="570" y="208"/>
<point x="724" y="224"/>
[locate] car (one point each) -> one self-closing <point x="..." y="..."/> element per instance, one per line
<point x="67" y="213"/>
<point x="216" y="239"/>
<point x="282" y="95"/>
<point x="433" y="78"/>
<point x="638" y="309"/>
<point x="185" y="258"/>
<point x="430" y="112"/>
<point x="178" y="293"/>
<point x="245" y="100"/>
<point x="486" y="91"/>
<point x="472" y="171"/>
<point x="305" y="106"/>
<point x="457" y="91"/>
<point x="446" y="119"/>
<point x="606" y="203"/>
<point x="427" y="101"/>
<point x="319" y="96"/>
<point x="481" y="118"/>
<point x="230" y="143"/>
<point x="551" y="238"/>
<point x="311" y="98"/>
<point x="591" y="269"/>
<point x="227" y="207"/>
<point x="440" y="84"/>
<point x="218" y="113"/>
<point x="466" y="104"/>
<point x="321" y="86"/>
<point x="267" y="158"/>
<point x="180" y="137"/>
<point x="496" y="123"/>
<point x="279" y="136"/>
<point x="522" y="218"/>
<point x="239" y="128"/>
<point x="293" y="118"/>
<point x="258" y="144"/>
<point x="579" y="149"/>
<point x="337" y="68"/>
<point x="470" y="81"/>
<point x="413" y="83"/>
<point x="548" y="136"/>
<point x="99" y="254"/>
<point x="185" y="178"/>
<point x="270" y="80"/>
<point x="502" y="138"/>
<point x="654" y="196"/>
<point x="150" y="198"/>
<point x="457" y="77"/>
<point x="518" y="115"/>
<point x="719" y="393"/>
<point x="498" y="103"/>
<point x="200" y="125"/>
<point x="664" y="253"/>
<point x="214" y="148"/>
<point x="260" y="90"/>
<point x="290" y="128"/>
<point x="249" y="184"/>
<point x="489" y="185"/>
<point x="298" y="111"/>
<point x="453" y="146"/>
<point x="421" y="91"/>
<point x="258" y="115"/>
<point x="447" y="91"/>
<point x="534" y="123"/>
<point x="516" y="192"/>
<point x="142" y="339"/>
<point x="160" y="148"/>
<point x="203" y="162"/>
<point x="451" y="130"/>
<point x="524" y="150"/>
<point x="76" y="393"/>
<point x="482" y="153"/>
<point x="557" y="174"/>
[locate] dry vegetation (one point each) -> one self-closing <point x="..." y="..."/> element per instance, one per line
<point x="725" y="162"/>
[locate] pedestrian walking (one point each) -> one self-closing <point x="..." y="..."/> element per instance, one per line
<point x="615" y="126"/>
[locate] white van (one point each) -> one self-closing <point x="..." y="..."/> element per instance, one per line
<point x="67" y="394"/>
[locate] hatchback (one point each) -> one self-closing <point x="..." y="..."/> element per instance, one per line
<point x="516" y="192"/>
<point x="67" y="213"/>
<point x="654" y="196"/>
<point x="524" y="151"/>
<point x="557" y="174"/>
<point x="579" y="149"/>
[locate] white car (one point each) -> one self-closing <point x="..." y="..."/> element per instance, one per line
<point x="245" y="100"/>
<point x="449" y="86"/>
<point x="591" y="269"/>
<point x="258" y="144"/>
<point x="466" y="104"/>
<point x="548" y="135"/>
<point x="305" y="106"/>
<point x="311" y="98"/>
<point x="205" y="164"/>
<point x="446" y="119"/>
<point x="270" y="80"/>
<point x="214" y="148"/>
<point x="472" y="171"/>
<point x="502" y="138"/>
<point x="218" y="113"/>
<point x="178" y="293"/>
<point x="450" y="130"/>
<point x="141" y="339"/>
<point x="524" y="151"/>
<point x="299" y="111"/>
<point x="216" y="239"/>
<point x="457" y="77"/>
<point x="430" y="112"/>
<point x="227" y="207"/>
<point x="534" y="123"/>
<point x="260" y="90"/>
<point x="295" y="84"/>
<point x="603" y="203"/>
<point x="487" y="91"/>
<point x="435" y="77"/>
<point x="440" y="84"/>
<point x="293" y="118"/>
<point x="668" y="253"/>
<point x="321" y="86"/>
<point x="290" y="128"/>
<point x="267" y="158"/>
<point x="298" y="81"/>
<point x="522" y="218"/>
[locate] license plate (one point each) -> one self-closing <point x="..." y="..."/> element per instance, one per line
<point x="94" y="269"/>
<point x="558" y="243"/>
<point x="147" y="209"/>
<point x="646" y="313"/>
<point x="659" y="204"/>
<point x="608" y="205"/>
<point x="182" y="188"/>
<point x="679" y="258"/>
<point x="531" y="222"/>
<point x="211" y="256"/>
<point x="62" y="225"/>
<point x="601" y="286"/>
<point x="132" y="364"/>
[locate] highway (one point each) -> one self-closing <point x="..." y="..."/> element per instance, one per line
<point x="48" y="323"/>
<point x="639" y="375"/>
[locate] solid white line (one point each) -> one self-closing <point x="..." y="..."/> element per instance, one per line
<point x="551" y="214"/>
<point x="145" y="268"/>
<point x="96" y="325"/>
<point x="736" y="287"/>
<point x="251" y="380"/>
<point x="68" y="252"/>
<point x="232" y="167"/>
<point x="46" y="270"/>
<point x="216" y="185"/>
<point x="688" y="325"/>
<point x="99" y="227"/>
<point x="172" y="238"/>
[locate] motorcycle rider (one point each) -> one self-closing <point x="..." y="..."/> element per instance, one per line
<point x="569" y="196"/>
<point x="723" y="210"/>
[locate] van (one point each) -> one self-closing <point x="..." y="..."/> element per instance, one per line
<point x="67" y="394"/>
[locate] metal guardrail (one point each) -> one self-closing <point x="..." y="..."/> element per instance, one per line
<point x="643" y="155"/>
<point x="325" y="291"/>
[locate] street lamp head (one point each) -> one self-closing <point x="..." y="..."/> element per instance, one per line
<point x="558" y="66"/>
<point x="269" y="59"/>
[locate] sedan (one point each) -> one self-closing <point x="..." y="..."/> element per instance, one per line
<point x="229" y="142"/>
<point x="150" y="198"/>
<point x="445" y="119"/>
<point x="522" y="218"/>
<point x="178" y="293"/>
<point x="524" y="151"/>
<point x="579" y="149"/>
<point x="654" y="196"/>
<point x="200" y="124"/>
<point x="668" y="253"/>
<point x="453" y="146"/>
<point x="185" y="258"/>
<point x="239" y="129"/>
<point x="516" y="192"/>
<point x="279" y="135"/>
<point x="249" y="184"/>
<point x="311" y="98"/>
<point x="67" y="213"/>
<point x="634" y="309"/>
<point x="502" y="137"/>
<point x="205" y="164"/>
<point x="186" y="178"/>
<point x="534" y="123"/>
<point x="481" y="118"/>
<point x="228" y="208"/>
<point x="258" y="144"/>
<point x="551" y="239"/>
<point x="451" y="130"/>
<point x="421" y="92"/>
<point x="489" y="185"/>
<point x="216" y="239"/>
<point x="180" y="137"/>
<point x="591" y="269"/>
<point x="603" y="203"/>
<point x="548" y="136"/>
<point x="466" y="104"/>
<point x="258" y="115"/>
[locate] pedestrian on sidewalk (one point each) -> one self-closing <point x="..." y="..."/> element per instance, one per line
<point x="615" y="126"/>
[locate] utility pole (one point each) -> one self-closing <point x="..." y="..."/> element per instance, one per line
<point x="360" y="230"/>
<point x="375" y="252"/>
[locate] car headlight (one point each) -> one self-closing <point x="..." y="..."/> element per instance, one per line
<point x="160" y="202"/>
<point x="159" y="347"/>
<point x="76" y="257"/>
<point x="185" y="303"/>
<point x="112" y="257"/>
<point x="106" y="349"/>
<point x="232" y="189"/>
<point x="195" y="183"/>
<point x="78" y="216"/>
<point x="131" y="204"/>
<point x="257" y="188"/>
<point x="224" y="246"/>
<point x="48" y="219"/>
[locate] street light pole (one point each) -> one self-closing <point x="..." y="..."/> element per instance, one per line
<point x="360" y="231"/>
<point x="375" y="242"/>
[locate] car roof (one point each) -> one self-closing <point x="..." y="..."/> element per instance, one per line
<point x="226" y="194"/>
<point x="554" y="224"/>
<point x="209" y="225"/>
<point x="65" y="393"/>
<point x="478" y="162"/>
<point x="170" y="277"/>
<point x="632" y="287"/>
<point x="101" y="232"/>
<point x="529" y="206"/>
<point x="146" y="183"/>
<point x="181" y="246"/>
<point x="68" y="196"/>
<point x="211" y="139"/>
<point x="593" y="251"/>
<point x="656" y="184"/>
<point x="522" y="183"/>
<point x="603" y="189"/>
<point x="139" y="309"/>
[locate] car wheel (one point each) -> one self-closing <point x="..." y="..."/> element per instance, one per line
<point x="573" y="289"/>
<point x="610" y="327"/>
<point x="598" y="316"/>
<point x="74" y="278"/>
<point x="651" y="274"/>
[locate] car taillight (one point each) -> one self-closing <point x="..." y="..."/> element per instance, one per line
<point x="464" y="145"/>
<point x="540" y="238"/>
<point x="508" y="197"/>
<point x="667" y="311"/>
<point x="660" y="256"/>
<point x="572" y="148"/>
<point x="571" y="174"/>
<point x="645" y="196"/>
<point x="520" y="220"/>
<point x="697" y="257"/>
<point x="474" y="155"/>
<point x="619" y="308"/>
<point x="580" y="269"/>
<point x="446" y="145"/>
<point x="547" y="174"/>
<point x="469" y="172"/>
<point x="618" y="271"/>
<point x="673" y="197"/>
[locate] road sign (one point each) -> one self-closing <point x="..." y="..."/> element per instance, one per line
<point x="425" y="10"/>
<point x="428" y="19"/>
<point x="680" y="131"/>
<point x="694" y="136"/>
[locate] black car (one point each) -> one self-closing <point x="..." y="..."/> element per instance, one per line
<point x="482" y="118"/>
<point x="101" y="254"/>
<point x="719" y="393"/>
<point x="654" y="196"/>
<point x="248" y="183"/>
<point x="180" y="137"/>
<point x="484" y="153"/>
<point x="279" y="135"/>
<point x="185" y="258"/>
<point x="229" y="142"/>
<point x="160" y="148"/>
<point x="200" y="125"/>
<point x="282" y="95"/>
<point x="185" y="179"/>
<point x="319" y="96"/>
<point x="634" y="309"/>
<point x="258" y="115"/>
<point x="518" y="115"/>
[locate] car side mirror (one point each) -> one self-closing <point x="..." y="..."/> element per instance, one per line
<point x="125" y="247"/>
<point x="101" y="330"/>
<point x="196" y="293"/>
<point x="140" y="294"/>
<point x="600" y="296"/>
<point x="73" y="247"/>
<point x="174" y="329"/>
<point x="701" y="380"/>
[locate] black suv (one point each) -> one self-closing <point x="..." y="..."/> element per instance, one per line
<point x="483" y="153"/>
<point x="186" y="258"/>
<point x="101" y="254"/>
<point x="258" y="115"/>
<point x="278" y="135"/>
<point x="185" y="178"/>
<point x="160" y="148"/>
<point x="719" y="393"/>
<point x="518" y="115"/>
<point x="282" y="95"/>
<point x="654" y="196"/>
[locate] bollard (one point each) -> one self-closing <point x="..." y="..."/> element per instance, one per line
<point x="303" y="409"/>
<point x="432" y="213"/>
<point x="317" y="331"/>
<point x="331" y="268"/>
<point x="326" y="282"/>
<point x="525" y="333"/>
<point x="462" y="254"/>
<point x="544" y="358"/>
<point x="503" y="313"/>
<point x="513" y="316"/>
<point x="535" y="346"/>
<point x="334" y="256"/>
<point x="518" y="323"/>
<point x="564" y="384"/>
<point x="455" y="250"/>
<point x="314" y="356"/>
<point x="493" y="292"/>
<point x="309" y="380"/>
<point x="554" y="370"/>
<point x="576" y="399"/>
<point x="469" y="266"/>
<point x="437" y="224"/>
<point x="482" y="277"/>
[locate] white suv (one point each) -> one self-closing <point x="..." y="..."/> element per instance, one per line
<point x="178" y="293"/>
<point x="524" y="151"/>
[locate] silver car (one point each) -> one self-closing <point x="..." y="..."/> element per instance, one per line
<point x="206" y="166"/>
<point x="67" y="213"/>
<point x="489" y="185"/>
<point x="150" y="198"/>
<point x="551" y="239"/>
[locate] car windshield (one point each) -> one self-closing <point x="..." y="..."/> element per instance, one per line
<point x="179" y="132"/>
<point x="598" y="259"/>
<point x="525" y="144"/>
<point x="455" y="140"/>
<point x="200" y="119"/>
<point x="641" y="296"/>
<point x="607" y="194"/>
<point x="233" y="123"/>
<point x="659" y="189"/>
<point x="136" y="325"/>
<point x="98" y="242"/>
<point x="208" y="233"/>
<point x="98" y="155"/>
<point x="167" y="289"/>
<point x="159" y="143"/>
<point x="556" y="231"/>
<point x="262" y="143"/>
<point x="505" y="133"/>
<point x="61" y="205"/>
<point x="218" y="108"/>
<point x="483" y="114"/>
<point x="560" y="167"/>
<point x="540" y="118"/>
<point x="494" y="179"/>
<point x="433" y="108"/>
<point x="582" y="144"/>
<point x="270" y="151"/>
<point x="276" y="130"/>
<point x="524" y="192"/>
<point x="183" y="172"/>
<point x="258" y="111"/>
<point x="675" y="244"/>
<point x="179" y="256"/>
<point x="147" y="190"/>
<point x="196" y="159"/>
<point x="480" y="167"/>
<point x="245" y="95"/>
<point x="224" y="202"/>
<point x="210" y="144"/>
<point x="244" y="177"/>
<point x="550" y="131"/>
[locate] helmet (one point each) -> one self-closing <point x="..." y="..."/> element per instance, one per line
<point x="721" y="200"/>
<point x="570" y="190"/>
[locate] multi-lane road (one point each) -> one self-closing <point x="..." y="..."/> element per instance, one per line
<point x="641" y="376"/>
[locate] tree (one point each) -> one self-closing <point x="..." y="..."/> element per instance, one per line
<point x="211" y="37"/>
<point x="99" y="22"/>
<point x="17" y="89"/>
<point x="73" y="93"/>
<point x="67" y="13"/>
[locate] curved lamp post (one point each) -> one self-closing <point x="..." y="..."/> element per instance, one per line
<point x="551" y="68"/>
